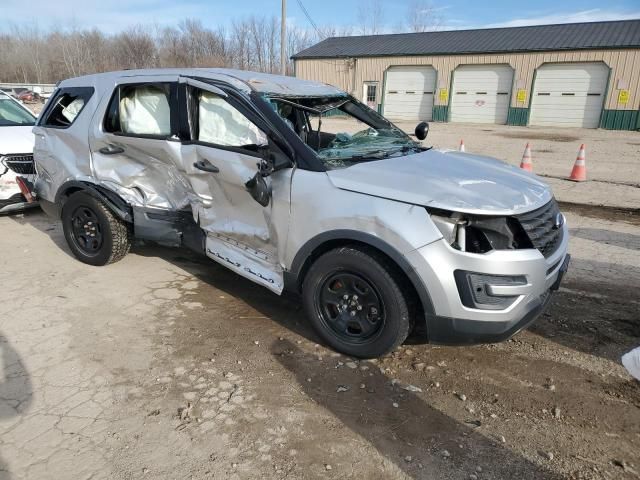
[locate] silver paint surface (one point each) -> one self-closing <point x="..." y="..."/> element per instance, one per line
<point x="385" y="198"/>
<point x="449" y="180"/>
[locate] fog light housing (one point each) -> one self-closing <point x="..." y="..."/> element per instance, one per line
<point x="489" y="292"/>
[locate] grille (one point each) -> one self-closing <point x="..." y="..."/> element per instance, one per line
<point x="21" y="164"/>
<point x="540" y="226"/>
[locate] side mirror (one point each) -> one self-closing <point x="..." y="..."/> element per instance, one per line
<point x="273" y="158"/>
<point x="259" y="189"/>
<point x="422" y="129"/>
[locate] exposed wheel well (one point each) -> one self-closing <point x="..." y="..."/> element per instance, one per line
<point x="112" y="200"/>
<point x="70" y="191"/>
<point x="416" y="303"/>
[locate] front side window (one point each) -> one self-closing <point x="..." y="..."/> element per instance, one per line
<point x="13" y="114"/>
<point x="140" y="110"/>
<point x="65" y="107"/>
<point x="343" y="131"/>
<point x="220" y="123"/>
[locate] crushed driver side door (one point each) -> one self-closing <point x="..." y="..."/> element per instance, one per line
<point x="228" y="143"/>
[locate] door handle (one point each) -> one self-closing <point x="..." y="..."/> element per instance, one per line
<point x="206" y="166"/>
<point x="111" y="150"/>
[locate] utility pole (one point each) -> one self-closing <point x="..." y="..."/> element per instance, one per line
<point x="283" y="39"/>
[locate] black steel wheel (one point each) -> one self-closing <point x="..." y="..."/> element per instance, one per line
<point x="349" y="305"/>
<point x="354" y="300"/>
<point x="94" y="234"/>
<point x="86" y="231"/>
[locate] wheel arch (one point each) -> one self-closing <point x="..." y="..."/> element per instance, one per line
<point x="326" y="241"/>
<point x="114" y="202"/>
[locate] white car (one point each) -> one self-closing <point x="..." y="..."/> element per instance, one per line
<point x="16" y="153"/>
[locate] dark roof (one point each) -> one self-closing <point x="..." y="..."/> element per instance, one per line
<point x="568" y="36"/>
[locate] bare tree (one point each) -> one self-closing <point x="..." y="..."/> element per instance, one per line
<point x="240" y="44"/>
<point x="370" y="17"/>
<point x="327" y="31"/>
<point x="135" y="48"/>
<point x="422" y="16"/>
<point x="28" y="54"/>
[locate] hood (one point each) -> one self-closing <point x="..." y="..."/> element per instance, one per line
<point x="448" y="180"/>
<point x="16" y="140"/>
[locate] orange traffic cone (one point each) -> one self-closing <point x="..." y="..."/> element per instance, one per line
<point x="461" y="145"/>
<point x="579" y="172"/>
<point x="526" y="164"/>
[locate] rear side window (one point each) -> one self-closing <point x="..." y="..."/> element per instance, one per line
<point x="140" y="110"/>
<point x="65" y="107"/>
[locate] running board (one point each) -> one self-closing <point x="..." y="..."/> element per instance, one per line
<point x="255" y="265"/>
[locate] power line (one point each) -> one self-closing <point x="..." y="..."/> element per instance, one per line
<point x="306" y="14"/>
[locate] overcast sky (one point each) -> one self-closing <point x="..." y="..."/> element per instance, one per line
<point x="112" y="16"/>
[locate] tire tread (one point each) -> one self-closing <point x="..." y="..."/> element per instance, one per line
<point x="391" y="276"/>
<point x="121" y="231"/>
<point x="121" y="235"/>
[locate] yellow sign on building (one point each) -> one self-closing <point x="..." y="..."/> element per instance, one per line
<point x="623" y="97"/>
<point x="444" y="95"/>
<point x="521" y="96"/>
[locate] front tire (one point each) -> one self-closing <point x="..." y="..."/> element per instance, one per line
<point x="354" y="300"/>
<point x="94" y="234"/>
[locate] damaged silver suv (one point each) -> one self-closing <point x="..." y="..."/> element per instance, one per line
<point x="296" y="185"/>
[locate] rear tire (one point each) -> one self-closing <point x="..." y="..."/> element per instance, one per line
<point x="354" y="300"/>
<point x="94" y="234"/>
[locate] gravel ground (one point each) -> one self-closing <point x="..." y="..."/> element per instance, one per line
<point x="166" y="365"/>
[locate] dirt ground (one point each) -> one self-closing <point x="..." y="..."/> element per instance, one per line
<point x="166" y="365"/>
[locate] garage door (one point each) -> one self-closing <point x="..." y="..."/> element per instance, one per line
<point x="408" y="93"/>
<point x="481" y="93"/>
<point x="569" y="95"/>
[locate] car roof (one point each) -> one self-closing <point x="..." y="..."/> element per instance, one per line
<point x="243" y="80"/>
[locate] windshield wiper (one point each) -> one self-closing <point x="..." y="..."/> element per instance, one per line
<point x="380" y="154"/>
<point x="375" y="155"/>
<point x="406" y="148"/>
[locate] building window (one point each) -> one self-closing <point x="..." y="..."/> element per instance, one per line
<point x="371" y="94"/>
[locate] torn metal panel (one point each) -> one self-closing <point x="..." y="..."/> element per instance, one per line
<point x="147" y="173"/>
<point x="223" y="208"/>
<point x="282" y="85"/>
<point x="255" y="265"/>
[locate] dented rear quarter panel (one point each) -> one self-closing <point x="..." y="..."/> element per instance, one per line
<point x="62" y="154"/>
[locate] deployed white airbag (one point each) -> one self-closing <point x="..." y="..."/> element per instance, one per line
<point x="221" y="124"/>
<point x="71" y="111"/>
<point x="145" y="111"/>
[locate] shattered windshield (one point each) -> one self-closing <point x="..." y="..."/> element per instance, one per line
<point x="343" y="131"/>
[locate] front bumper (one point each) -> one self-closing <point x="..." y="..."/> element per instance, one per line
<point x="451" y="322"/>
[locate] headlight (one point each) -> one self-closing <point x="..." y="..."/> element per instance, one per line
<point x="480" y="234"/>
<point x="452" y="229"/>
